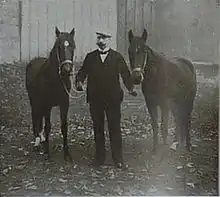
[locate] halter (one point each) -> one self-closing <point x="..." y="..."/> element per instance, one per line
<point x="64" y="85"/>
<point x="63" y="62"/>
<point x="141" y="69"/>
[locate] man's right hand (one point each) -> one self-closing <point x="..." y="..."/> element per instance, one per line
<point x="79" y="86"/>
<point x="133" y="93"/>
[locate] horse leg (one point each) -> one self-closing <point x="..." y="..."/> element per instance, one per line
<point x="177" y="118"/>
<point x="37" y="127"/>
<point x="164" y="121"/>
<point x="64" y="130"/>
<point x="47" y="129"/>
<point x="187" y="124"/>
<point x="152" y="108"/>
<point x="181" y="119"/>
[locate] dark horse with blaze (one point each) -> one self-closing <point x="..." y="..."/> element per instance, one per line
<point x="167" y="84"/>
<point x="48" y="84"/>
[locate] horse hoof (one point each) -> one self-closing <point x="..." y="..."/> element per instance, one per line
<point x="46" y="156"/>
<point x="154" y="150"/>
<point x="68" y="158"/>
<point x="36" y="148"/>
<point x="189" y="148"/>
<point x="181" y="148"/>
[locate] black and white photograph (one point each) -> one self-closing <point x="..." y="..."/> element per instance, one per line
<point x="109" y="97"/>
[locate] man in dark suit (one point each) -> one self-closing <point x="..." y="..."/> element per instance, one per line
<point x="103" y="67"/>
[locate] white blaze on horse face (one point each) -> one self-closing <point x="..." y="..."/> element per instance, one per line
<point x="66" y="43"/>
<point x="37" y="141"/>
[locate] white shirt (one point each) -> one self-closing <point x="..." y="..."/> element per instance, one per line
<point x="103" y="56"/>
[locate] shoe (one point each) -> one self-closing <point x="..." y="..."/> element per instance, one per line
<point x="121" y="165"/>
<point x="96" y="163"/>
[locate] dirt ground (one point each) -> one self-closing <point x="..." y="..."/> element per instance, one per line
<point x="167" y="173"/>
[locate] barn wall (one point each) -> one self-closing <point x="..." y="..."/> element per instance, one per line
<point x="40" y="18"/>
<point x="188" y="28"/>
<point x="9" y="31"/>
<point x="29" y="30"/>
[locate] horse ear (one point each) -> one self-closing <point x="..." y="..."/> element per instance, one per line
<point x="57" y="31"/>
<point x="73" y="32"/>
<point x="145" y="35"/>
<point x="130" y="35"/>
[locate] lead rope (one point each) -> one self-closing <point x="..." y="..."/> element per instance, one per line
<point x="72" y="88"/>
<point x="145" y="61"/>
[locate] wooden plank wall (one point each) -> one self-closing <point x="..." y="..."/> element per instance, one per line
<point x="40" y="17"/>
<point x="135" y="15"/>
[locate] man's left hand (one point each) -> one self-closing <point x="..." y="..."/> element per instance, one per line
<point x="133" y="93"/>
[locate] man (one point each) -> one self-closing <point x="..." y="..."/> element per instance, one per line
<point x="104" y="95"/>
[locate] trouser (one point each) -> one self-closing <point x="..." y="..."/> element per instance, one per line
<point x="113" y="114"/>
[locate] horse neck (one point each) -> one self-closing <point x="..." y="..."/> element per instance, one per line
<point x="152" y="57"/>
<point x="52" y="64"/>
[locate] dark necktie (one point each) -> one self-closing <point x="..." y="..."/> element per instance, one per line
<point x="103" y="52"/>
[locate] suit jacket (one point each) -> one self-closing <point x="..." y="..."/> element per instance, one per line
<point x="103" y="82"/>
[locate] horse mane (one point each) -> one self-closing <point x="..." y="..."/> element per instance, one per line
<point x="53" y="51"/>
<point x="151" y="60"/>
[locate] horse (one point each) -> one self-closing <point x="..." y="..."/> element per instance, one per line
<point x="48" y="85"/>
<point x="167" y="84"/>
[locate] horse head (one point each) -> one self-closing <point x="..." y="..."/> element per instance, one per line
<point x="137" y="55"/>
<point x="64" y="49"/>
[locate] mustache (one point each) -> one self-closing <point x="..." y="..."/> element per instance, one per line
<point x="101" y="43"/>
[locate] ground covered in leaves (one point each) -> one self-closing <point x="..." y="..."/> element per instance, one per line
<point x="169" y="172"/>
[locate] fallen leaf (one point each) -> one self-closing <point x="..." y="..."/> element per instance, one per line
<point x="80" y="127"/>
<point x="94" y="183"/>
<point x="179" y="167"/>
<point x="94" y="175"/>
<point x="144" y="170"/>
<point x="118" y="190"/>
<point x="81" y="173"/>
<point x="67" y="192"/>
<point x="19" y="167"/>
<point x="174" y="146"/>
<point x="75" y="166"/>
<point x="62" y="180"/>
<point x="28" y="184"/>
<point x="14" y="188"/>
<point x="192" y="170"/>
<point x="5" y="171"/>
<point x="190" y="184"/>
<point x="169" y="188"/>
<point x="161" y="175"/>
<point x="190" y="165"/>
<point x="153" y="189"/>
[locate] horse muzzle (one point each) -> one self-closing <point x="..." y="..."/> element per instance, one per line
<point x="67" y="67"/>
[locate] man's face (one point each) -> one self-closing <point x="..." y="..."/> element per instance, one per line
<point x="102" y="42"/>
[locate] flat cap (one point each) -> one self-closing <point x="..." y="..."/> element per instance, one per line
<point x="104" y="33"/>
